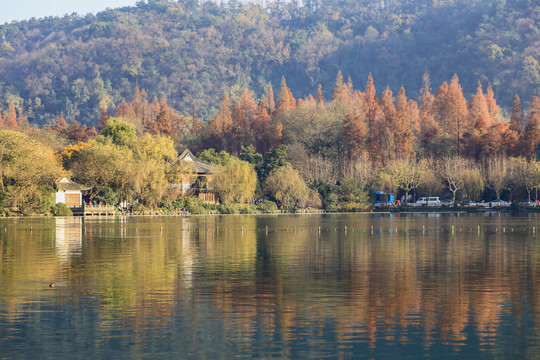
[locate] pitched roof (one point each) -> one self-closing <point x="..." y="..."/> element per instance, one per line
<point x="199" y="167"/>
<point x="66" y="184"/>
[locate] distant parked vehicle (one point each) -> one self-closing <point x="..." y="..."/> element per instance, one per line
<point x="447" y="202"/>
<point x="383" y="199"/>
<point x="527" y="203"/>
<point x="469" y="203"/>
<point x="499" y="203"/>
<point x="429" y="201"/>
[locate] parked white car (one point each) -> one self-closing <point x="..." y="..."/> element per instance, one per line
<point x="429" y="201"/>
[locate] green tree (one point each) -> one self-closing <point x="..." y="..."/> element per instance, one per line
<point x="210" y="156"/>
<point x="274" y="159"/>
<point x="353" y="194"/>
<point x="120" y="132"/>
<point x="248" y="154"/>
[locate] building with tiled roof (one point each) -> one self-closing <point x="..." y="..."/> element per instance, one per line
<point x="199" y="181"/>
<point x="70" y="193"/>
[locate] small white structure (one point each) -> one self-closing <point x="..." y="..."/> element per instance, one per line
<point x="69" y="192"/>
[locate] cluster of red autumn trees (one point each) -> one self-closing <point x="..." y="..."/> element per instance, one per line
<point x="360" y="123"/>
<point x="14" y="119"/>
<point x="351" y="125"/>
<point x="154" y="117"/>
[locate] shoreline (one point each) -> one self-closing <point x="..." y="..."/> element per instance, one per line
<point x="389" y="210"/>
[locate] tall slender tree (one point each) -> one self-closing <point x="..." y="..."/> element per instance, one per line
<point x="402" y="126"/>
<point x="285" y="101"/>
<point x="479" y="116"/>
<point x="516" y="119"/>
<point x="429" y="128"/>
<point x="354" y="134"/>
<point x="492" y="103"/>
<point x="11" y="117"/>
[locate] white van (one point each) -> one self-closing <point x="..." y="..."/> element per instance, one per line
<point x="429" y="201"/>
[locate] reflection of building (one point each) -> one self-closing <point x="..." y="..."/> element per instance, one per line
<point x="198" y="182"/>
<point x="69" y="192"/>
<point x="68" y="237"/>
<point x="187" y="258"/>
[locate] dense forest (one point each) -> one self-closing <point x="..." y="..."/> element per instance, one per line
<point x="283" y="152"/>
<point x="432" y="97"/>
<point x="190" y="53"/>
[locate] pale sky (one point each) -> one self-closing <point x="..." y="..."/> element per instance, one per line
<point x="26" y="9"/>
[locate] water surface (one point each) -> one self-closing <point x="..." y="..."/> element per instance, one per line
<point x="294" y="286"/>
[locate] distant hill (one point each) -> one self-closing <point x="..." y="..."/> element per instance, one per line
<point x="192" y="54"/>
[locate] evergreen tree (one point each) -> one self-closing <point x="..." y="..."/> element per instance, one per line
<point x="274" y="158"/>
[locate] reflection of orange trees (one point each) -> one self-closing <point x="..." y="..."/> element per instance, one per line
<point x="394" y="282"/>
<point x="442" y="284"/>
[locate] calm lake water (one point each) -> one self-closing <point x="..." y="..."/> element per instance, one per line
<point x="293" y="286"/>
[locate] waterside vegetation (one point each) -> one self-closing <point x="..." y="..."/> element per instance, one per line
<point x="283" y="153"/>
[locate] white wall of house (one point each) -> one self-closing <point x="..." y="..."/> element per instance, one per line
<point x="71" y="196"/>
<point x="60" y="197"/>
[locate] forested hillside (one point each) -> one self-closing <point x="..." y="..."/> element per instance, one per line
<point x="191" y="55"/>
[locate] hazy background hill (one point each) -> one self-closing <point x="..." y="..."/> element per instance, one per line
<point x="191" y="54"/>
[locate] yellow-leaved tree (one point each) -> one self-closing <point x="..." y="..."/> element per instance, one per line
<point x="236" y="182"/>
<point x="153" y="156"/>
<point x="286" y="186"/>
<point x="28" y="170"/>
